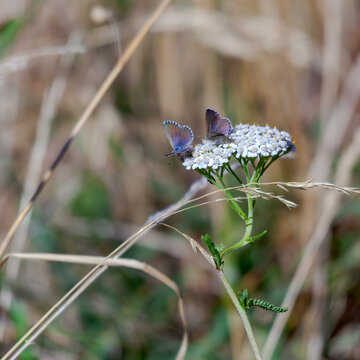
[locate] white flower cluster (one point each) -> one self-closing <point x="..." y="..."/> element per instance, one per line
<point x="245" y="141"/>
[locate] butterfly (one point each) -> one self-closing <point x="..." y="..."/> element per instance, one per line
<point x="180" y="138"/>
<point x="216" y="126"/>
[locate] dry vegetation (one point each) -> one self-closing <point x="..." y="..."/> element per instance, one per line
<point x="294" y="65"/>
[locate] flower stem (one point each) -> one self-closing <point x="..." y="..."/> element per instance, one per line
<point x="233" y="202"/>
<point x="249" y="219"/>
<point x="248" y="230"/>
<point x="242" y="314"/>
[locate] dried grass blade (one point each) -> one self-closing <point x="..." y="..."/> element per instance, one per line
<point x="282" y="187"/>
<point x="193" y="244"/>
<point x="309" y="184"/>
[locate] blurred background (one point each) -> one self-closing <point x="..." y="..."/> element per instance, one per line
<point x="290" y="64"/>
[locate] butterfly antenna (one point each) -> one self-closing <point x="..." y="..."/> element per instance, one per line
<point x="167" y="155"/>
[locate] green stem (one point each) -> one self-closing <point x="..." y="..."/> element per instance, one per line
<point x="232" y="172"/>
<point x="249" y="219"/>
<point x="265" y="166"/>
<point x="242" y="314"/>
<point x="233" y="202"/>
<point x="244" y="166"/>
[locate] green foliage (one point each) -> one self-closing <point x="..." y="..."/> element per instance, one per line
<point x="315" y="128"/>
<point x="19" y="320"/>
<point x="248" y="303"/>
<point x="124" y="5"/>
<point x="256" y="237"/>
<point x="8" y="34"/>
<point x="122" y="101"/>
<point x="92" y="200"/>
<point x="207" y="174"/>
<point x="206" y="239"/>
<point x="350" y="208"/>
<point x="116" y="148"/>
<point x="47" y="239"/>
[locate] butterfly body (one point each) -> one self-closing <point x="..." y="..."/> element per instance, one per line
<point x="218" y="128"/>
<point x="180" y="138"/>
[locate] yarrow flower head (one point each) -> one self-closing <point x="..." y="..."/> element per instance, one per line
<point x="249" y="142"/>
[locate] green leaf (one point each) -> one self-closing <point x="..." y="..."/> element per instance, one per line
<point x="256" y="237"/>
<point x="92" y="200"/>
<point x="8" y="34"/>
<point x="247" y="303"/>
<point x="19" y="319"/>
<point x="206" y="239"/>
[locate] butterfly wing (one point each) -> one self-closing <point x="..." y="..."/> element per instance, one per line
<point x="180" y="137"/>
<point x="184" y="140"/>
<point x="216" y="125"/>
<point x="172" y="131"/>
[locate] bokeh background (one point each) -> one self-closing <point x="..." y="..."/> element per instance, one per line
<point x="291" y="64"/>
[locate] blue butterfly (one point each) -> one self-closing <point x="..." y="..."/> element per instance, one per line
<point x="180" y="138"/>
<point x="216" y="126"/>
